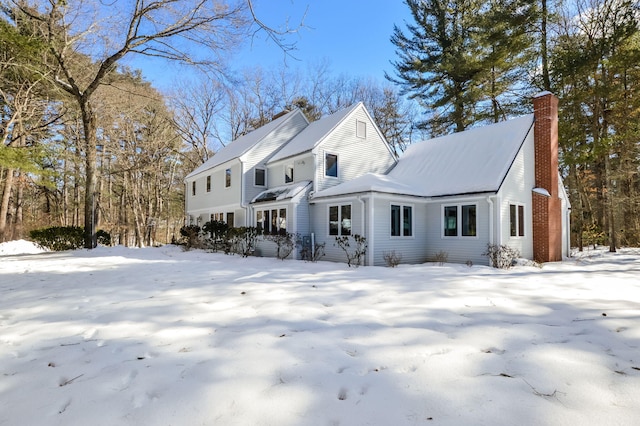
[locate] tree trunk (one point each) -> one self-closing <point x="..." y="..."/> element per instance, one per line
<point x="18" y="224"/>
<point x="4" y="204"/>
<point x="89" y="127"/>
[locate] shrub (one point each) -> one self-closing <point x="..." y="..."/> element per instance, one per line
<point x="104" y="237"/>
<point x="285" y="242"/>
<point x="355" y="255"/>
<point x="501" y="256"/>
<point x="392" y="259"/>
<point x="441" y="257"/>
<point x="243" y="240"/>
<point x="311" y="255"/>
<point x="59" y="238"/>
<point x="190" y="236"/>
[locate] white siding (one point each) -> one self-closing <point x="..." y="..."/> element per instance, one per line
<point x="320" y="227"/>
<point x="303" y="169"/>
<point x="356" y="156"/>
<point x="516" y="189"/>
<point x="458" y="249"/>
<point x="412" y="249"/>
<point x="261" y="153"/>
<point x="219" y="194"/>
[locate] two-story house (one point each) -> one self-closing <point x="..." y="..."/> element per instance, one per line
<point x="497" y="184"/>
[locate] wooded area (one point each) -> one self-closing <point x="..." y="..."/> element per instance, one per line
<point x="87" y="142"/>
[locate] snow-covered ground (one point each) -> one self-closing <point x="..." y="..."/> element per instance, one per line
<point x="158" y="336"/>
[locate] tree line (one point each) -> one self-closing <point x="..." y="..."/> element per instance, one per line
<point x="86" y="141"/>
<point x="467" y="62"/>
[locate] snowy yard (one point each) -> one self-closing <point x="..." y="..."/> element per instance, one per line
<point x="158" y="336"/>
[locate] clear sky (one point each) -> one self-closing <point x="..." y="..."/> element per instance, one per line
<point x="351" y="35"/>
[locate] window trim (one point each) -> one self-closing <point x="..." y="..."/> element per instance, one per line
<point x="279" y="218"/>
<point x="521" y="222"/>
<point x="459" y="207"/>
<point x="402" y="207"/>
<point x="264" y="177"/>
<point x="227" y="178"/>
<point x="327" y="153"/>
<point x="208" y="183"/>
<point x="339" y="206"/>
<point x="358" y="134"/>
<point x="287" y="167"/>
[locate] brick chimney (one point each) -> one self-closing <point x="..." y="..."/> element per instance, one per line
<point x="547" y="208"/>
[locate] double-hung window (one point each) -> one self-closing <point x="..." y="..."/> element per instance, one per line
<point x="459" y="220"/>
<point x="330" y="165"/>
<point x="259" y="178"/>
<point x="516" y="220"/>
<point x="401" y="221"/>
<point x="340" y="220"/>
<point x="288" y="173"/>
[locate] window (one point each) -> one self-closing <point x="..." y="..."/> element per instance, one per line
<point x="272" y="221"/>
<point x="288" y="173"/>
<point x="259" y="177"/>
<point x="209" y="183"/>
<point x="361" y="129"/>
<point x="193" y="188"/>
<point x="227" y="178"/>
<point x="516" y="220"/>
<point x="331" y="165"/>
<point x="459" y="220"/>
<point x="218" y="217"/>
<point x="340" y="220"/>
<point x="230" y="220"/>
<point x="401" y="221"/>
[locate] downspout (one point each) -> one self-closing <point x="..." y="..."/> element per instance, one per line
<point x="370" y="259"/>
<point x="243" y="204"/>
<point x="491" y="219"/>
<point x="362" y="217"/>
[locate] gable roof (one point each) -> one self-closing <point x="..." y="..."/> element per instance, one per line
<point x="244" y="143"/>
<point x="313" y="134"/>
<point x="473" y="161"/>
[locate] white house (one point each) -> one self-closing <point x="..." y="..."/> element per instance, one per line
<point x="497" y="184"/>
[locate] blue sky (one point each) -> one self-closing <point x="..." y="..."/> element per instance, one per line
<point x="351" y="35"/>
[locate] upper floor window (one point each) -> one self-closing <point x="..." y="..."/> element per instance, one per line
<point x="331" y="165"/>
<point x="193" y="188"/>
<point x="259" y="177"/>
<point x="401" y="221"/>
<point x="288" y="173"/>
<point x="361" y="129"/>
<point x="340" y="220"/>
<point x="459" y="220"/>
<point x="209" y="183"/>
<point x="516" y="220"/>
<point x="227" y="178"/>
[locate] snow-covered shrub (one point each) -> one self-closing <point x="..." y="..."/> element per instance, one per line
<point x="391" y="258"/>
<point x="243" y="240"/>
<point x="190" y="237"/>
<point x="356" y="254"/>
<point x="501" y="256"/>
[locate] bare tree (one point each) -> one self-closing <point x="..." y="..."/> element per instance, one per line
<point x="169" y="29"/>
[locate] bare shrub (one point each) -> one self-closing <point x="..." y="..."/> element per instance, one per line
<point x="441" y="257"/>
<point x="391" y="258"/>
<point x="354" y="254"/>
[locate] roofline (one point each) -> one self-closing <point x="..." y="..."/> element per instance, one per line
<point x="290" y="114"/>
<point x="518" y="151"/>
<point x="425" y="197"/>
